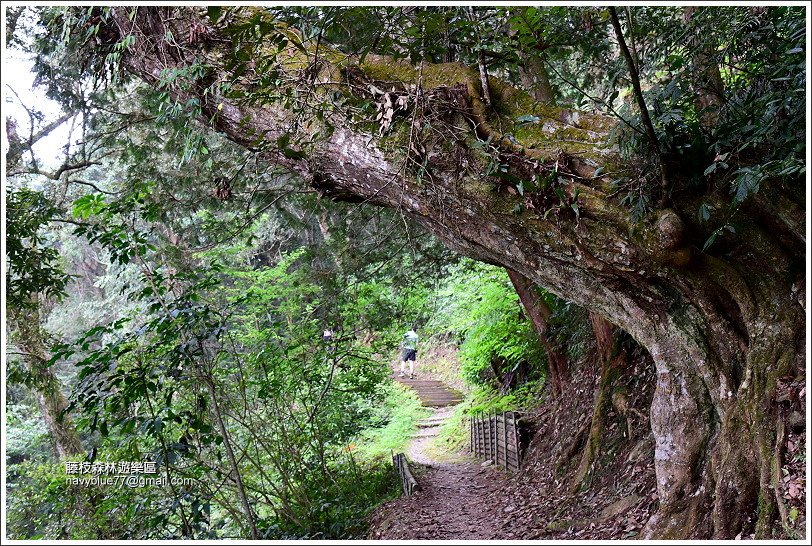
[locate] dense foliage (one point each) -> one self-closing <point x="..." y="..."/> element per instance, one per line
<point x="480" y="306"/>
<point x="174" y="285"/>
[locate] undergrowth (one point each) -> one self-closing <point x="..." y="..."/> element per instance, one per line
<point x="396" y="422"/>
<point x="453" y="435"/>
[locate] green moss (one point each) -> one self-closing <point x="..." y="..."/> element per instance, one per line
<point x="396" y="141"/>
<point x="478" y="187"/>
<point x="510" y="103"/>
<point x="392" y="71"/>
<point x="386" y="69"/>
<point x="766" y="515"/>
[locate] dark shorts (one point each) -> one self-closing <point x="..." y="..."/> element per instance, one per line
<point x="409" y="354"/>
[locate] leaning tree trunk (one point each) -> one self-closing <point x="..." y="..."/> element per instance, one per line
<point x="539" y="313"/>
<point x="721" y="326"/>
<point x="614" y="362"/>
<point x="535" y="78"/>
<point x="28" y="336"/>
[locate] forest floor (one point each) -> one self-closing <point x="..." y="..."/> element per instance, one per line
<point x="448" y="503"/>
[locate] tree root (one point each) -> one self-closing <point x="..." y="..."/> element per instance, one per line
<point x="574" y="447"/>
<point x="613" y="360"/>
<point x="778" y="456"/>
<point x="593" y="441"/>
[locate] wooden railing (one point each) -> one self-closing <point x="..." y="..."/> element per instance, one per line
<point x="498" y="438"/>
<point x="406" y="479"/>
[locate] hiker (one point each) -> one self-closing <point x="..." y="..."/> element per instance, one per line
<point x="327" y="337"/>
<point x="409" y="347"/>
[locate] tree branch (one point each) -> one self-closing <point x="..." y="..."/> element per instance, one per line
<point x="57" y="174"/>
<point x="480" y="54"/>
<point x="641" y="104"/>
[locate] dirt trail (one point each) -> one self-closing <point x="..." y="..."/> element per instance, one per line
<point x="427" y="431"/>
<point x="449" y="503"/>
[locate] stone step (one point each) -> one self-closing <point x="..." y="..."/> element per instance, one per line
<point x="421" y="382"/>
<point x="427" y="387"/>
<point x="424" y="434"/>
<point x="437" y="390"/>
<point x="433" y="420"/>
<point x="421" y="424"/>
<point x="432" y="393"/>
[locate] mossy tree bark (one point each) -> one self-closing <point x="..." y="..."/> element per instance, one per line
<point x="536" y="80"/>
<point x="721" y="325"/>
<point x="28" y="336"/>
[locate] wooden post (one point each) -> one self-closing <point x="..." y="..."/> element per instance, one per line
<point x="476" y="436"/>
<point x="479" y="442"/>
<point x="476" y="431"/>
<point x="499" y="451"/>
<point x="486" y="434"/>
<point x="484" y="438"/>
<point x="496" y="438"/>
<point x="479" y="447"/>
<point x="474" y="426"/>
<point x="515" y="452"/>
<point x="495" y="433"/>
<point x="483" y="441"/>
<point x="492" y="434"/>
<point x="500" y="427"/>
<point x="505" y="439"/>
<point x="516" y="440"/>
<point x="486" y="447"/>
<point x="509" y="437"/>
